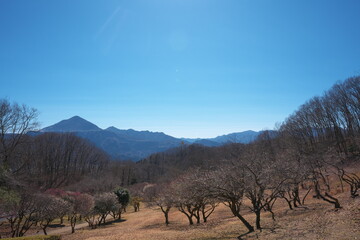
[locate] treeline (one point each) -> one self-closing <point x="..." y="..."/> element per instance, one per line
<point x="333" y="117"/>
<point x="52" y="160"/>
<point x="170" y="164"/>
<point x="308" y="155"/>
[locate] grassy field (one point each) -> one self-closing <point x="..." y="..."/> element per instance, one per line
<point x="315" y="220"/>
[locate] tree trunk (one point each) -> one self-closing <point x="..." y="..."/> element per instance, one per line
<point x="166" y="214"/>
<point x="289" y="203"/>
<point x="197" y="216"/>
<point x="44" y="226"/>
<point x="243" y="220"/>
<point x="72" y="223"/>
<point x="258" y="214"/>
<point x="204" y="215"/>
<point x="331" y="199"/>
<point x="246" y="223"/>
<point x="303" y="200"/>
<point x="119" y="214"/>
<point x="188" y="212"/>
<point x="296" y="196"/>
<point x="294" y="202"/>
<point x="190" y="220"/>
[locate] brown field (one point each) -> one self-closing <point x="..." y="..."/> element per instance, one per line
<point x="316" y="220"/>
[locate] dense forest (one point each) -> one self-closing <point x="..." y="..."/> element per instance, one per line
<point x="53" y="175"/>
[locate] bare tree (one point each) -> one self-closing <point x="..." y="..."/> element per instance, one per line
<point x="227" y="184"/>
<point x="81" y="204"/>
<point x="15" y="121"/>
<point x="184" y="200"/>
<point x="191" y="198"/>
<point x="353" y="180"/>
<point x="19" y="209"/>
<point x="160" y="195"/>
<point x="49" y="208"/>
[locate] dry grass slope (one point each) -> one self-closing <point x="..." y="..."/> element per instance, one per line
<point x="316" y="220"/>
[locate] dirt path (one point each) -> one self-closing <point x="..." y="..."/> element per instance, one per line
<point x="63" y="230"/>
<point x="66" y="229"/>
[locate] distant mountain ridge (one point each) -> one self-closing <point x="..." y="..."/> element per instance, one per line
<point x="120" y="144"/>
<point x="238" y="137"/>
<point x="141" y="135"/>
<point x="135" y="145"/>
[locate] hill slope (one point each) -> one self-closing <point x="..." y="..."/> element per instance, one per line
<point x="316" y="220"/>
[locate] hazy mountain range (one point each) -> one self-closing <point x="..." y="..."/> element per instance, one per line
<point x="239" y="137"/>
<point x="134" y="145"/>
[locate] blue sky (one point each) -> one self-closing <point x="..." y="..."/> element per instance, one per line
<point x="189" y="68"/>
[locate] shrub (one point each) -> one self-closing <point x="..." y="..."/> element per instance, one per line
<point x="105" y="204"/>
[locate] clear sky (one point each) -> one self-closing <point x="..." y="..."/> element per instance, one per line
<point x="189" y="68"/>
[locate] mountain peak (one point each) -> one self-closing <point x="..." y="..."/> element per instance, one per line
<point x="112" y="128"/>
<point x="76" y="118"/>
<point x="73" y="124"/>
